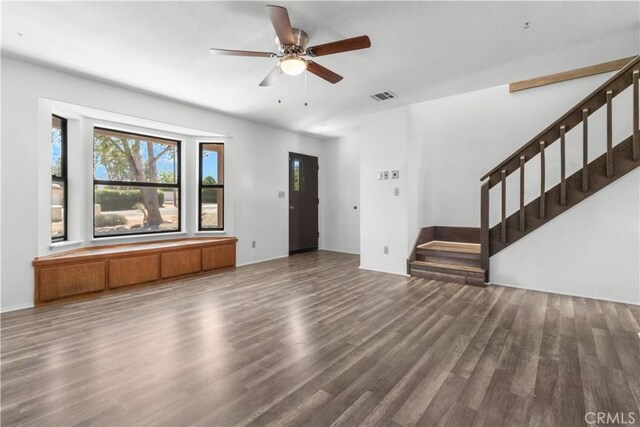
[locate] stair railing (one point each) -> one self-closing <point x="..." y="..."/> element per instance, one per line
<point x="603" y="95"/>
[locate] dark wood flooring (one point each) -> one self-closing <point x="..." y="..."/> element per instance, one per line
<point x="312" y="340"/>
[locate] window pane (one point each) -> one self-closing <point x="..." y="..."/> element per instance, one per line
<point x="57" y="210"/>
<point x="56" y="146"/>
<point x="296" y="175"/>
<point x="131" y="210"/>
<point x="134" y="158"/>
<point x="212" y="213"/>
<point x="212" y="164"/>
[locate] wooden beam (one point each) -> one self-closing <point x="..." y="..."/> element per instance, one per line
<point x="578" y="73"/>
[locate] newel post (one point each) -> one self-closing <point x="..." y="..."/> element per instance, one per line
<point x="484" y="228"/>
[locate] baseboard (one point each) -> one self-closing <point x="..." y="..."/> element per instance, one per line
<point x="16" y="307"/>
<point x="568" y="294"/>
<point x="340" y="251"/>
<point x="384" y="271"/>
<point x="262" y="260"/>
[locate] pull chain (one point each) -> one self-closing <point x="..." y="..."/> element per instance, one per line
<point x="279" y="83"/>
<point x="305" y="88"/>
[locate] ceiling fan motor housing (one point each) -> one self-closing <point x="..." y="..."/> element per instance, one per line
<point x="301" y="39"/>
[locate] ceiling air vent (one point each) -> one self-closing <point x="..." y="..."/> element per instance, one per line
<point x="383" y="96"/>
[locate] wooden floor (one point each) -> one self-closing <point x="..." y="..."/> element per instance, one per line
<point x="313" y="340"/>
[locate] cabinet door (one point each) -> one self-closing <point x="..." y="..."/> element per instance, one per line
<point x="180" y="263"/>
<point x="218" y="257"/>
<point x="72" y="279"/>
<point x="134" y="270"/>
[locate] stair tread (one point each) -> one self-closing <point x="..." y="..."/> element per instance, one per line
<point x="439" y="245"/>
<point x="448" y="277"/>
<point x="448" y="266"/>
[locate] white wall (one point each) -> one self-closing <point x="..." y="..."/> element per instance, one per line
<point x="341" y="172"/>
<point x="466" y="135"/>
<point x="593" y="250"/>
<point x="384" y="143"/>
<point x="259" y="171"/>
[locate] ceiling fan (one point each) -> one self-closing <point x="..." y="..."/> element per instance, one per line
<point x="293" y="51"/>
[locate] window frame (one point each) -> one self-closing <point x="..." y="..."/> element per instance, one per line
<point x="202" y="186"/>
<point x="63" y="179"/>
<point x="177" y="184"/>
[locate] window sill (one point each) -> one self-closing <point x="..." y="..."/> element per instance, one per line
<point x="210" y="232"/>
<point x="64" y="243"/>
<point x="139" y="237"/>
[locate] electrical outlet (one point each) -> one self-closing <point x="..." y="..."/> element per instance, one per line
<point x="396" y="191"/>
<point x="380" y="175"/>
<point x="386" y="174"/>
<point x="253" y="243"/>
<point x="395" y="174"/>
<point x="386" y="250"/>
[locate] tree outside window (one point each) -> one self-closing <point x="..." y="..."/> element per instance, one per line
<point x="136" y="183"/>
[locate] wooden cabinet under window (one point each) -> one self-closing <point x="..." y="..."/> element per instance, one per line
<point x="95" y="270"/>
<point x="133" y="270"/>
<point x="180" y="263"/>
<point x="217" y="257"/>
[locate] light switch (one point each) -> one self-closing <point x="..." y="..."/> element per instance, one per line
<point x="396" y="191"/>
<point x="280" y="194"/>
<point x="386" y="174"/>
<point x="380" y="175"/>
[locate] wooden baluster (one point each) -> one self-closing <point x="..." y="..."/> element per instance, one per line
<point x="503" y="225"/>
<point x="485" y="248"/>
<point x="542" y="187"/>
<point x="522" y="161"/>
<point x="563" y="180"/>
<point x="609" y="134"/>
<point x="585" y="150"/>
<point x="636" y="115"/>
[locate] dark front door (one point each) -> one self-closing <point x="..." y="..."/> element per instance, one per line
<point x="303" y="202"/>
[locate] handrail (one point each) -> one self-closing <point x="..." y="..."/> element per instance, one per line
<point x="596" y="99"/>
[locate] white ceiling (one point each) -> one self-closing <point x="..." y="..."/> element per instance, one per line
<point x="420" y="50"/>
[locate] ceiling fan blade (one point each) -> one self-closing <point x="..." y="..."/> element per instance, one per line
<point x="272" y="77"/>
<point x="323" y="73"/>
<point x="346" y="45"/>
<point x="281" y="23"/>
<point x="232" y="52"/>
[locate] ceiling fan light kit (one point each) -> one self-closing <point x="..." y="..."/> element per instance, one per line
<point x="293" y="64"/>
<point x="294" y="53"/>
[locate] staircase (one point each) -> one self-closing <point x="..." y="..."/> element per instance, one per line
<point x="464" y="257"/>
<point x="449" y="262"/>
<point x="449" y="254"/>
